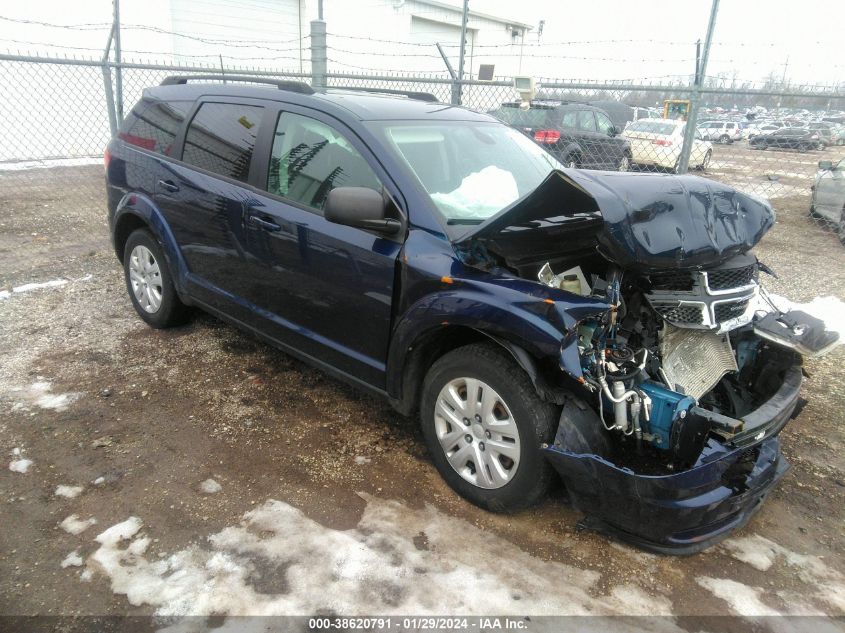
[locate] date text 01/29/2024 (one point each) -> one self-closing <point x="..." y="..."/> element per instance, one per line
<point x="422" y="623"/>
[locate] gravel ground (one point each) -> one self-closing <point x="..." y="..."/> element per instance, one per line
<point x="193" y="431"/>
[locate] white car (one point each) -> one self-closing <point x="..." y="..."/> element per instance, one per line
<point x="720" y="131"/>
<point x="658" y="142"/>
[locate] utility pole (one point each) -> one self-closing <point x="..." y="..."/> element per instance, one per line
<point x="463" y="51"/>
<point x="118" y="71"/>
<point x="319" y="59"/>
<point x="700" y="74"/>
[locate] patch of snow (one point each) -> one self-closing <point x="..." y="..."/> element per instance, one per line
<point x="830" y="310"/>
<point x="5" y="294"/>
<point x="74" y="525"/>
<point x="40" y="394"/>
<point x="53" y="283"/>
<point x="209" y="487"/>
<point x="361" y="460"/>
<point x="72" y="560"/>
<point x="86" y="575"/>
<point x="744" y="600"/>
<point x="277" y="561"/>
<point x="68" y="491"/>
<point x="761" y="553"/>
<point x="99" y="480"/>
<point x="46" y="163"/>
<point x="20" y="465"/>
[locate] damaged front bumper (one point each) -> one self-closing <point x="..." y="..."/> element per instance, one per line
<point x="687" y="511"/>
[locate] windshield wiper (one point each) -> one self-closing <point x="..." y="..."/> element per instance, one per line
<point x="464" y="221"/>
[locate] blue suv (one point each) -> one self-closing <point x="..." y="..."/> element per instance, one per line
<point x="599" y="325"/>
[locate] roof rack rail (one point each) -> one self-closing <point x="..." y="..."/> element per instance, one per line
<point x="291" y="86"/>
<point x="419" y="96"/>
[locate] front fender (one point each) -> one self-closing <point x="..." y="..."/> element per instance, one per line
<point x="133" y="207"/>
<point x="533" y="317"/>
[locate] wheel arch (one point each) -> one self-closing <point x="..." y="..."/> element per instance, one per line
<point x="135" y="211"/>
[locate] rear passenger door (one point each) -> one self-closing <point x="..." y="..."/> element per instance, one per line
<point x="203" y="198"/>
<point x="321" y="288"/>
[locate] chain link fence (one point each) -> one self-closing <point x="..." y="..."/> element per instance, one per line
<point x="55" y="113"/>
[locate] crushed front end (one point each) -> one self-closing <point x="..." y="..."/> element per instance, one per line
<point x="668" y="437"/>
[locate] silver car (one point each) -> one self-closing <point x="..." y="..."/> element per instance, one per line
<point x="829" y="195"/>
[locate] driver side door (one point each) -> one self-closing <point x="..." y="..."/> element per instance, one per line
<point x="321" y="288"/>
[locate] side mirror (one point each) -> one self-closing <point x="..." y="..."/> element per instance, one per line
<point x="360" y="207"/>
<point x="825" y="165"/>
<point x="612" y="131"/>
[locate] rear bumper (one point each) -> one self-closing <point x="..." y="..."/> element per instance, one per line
<point x="688" y="511"/>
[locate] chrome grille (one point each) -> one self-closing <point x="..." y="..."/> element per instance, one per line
<point x="724" y="278"/>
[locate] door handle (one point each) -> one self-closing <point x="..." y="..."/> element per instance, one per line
<point x="267" y="225"/>
<point x="168" y="185"/>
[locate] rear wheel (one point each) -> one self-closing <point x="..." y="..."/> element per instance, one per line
<point x="150" y="283"/>
<point x="724" y="139"/>
<point x="625" y="163"/>
<point x="573" y="161"/>
<point x="483" y="424"/>
<point x="706" y="162"/>
<point x="840" y="230"/>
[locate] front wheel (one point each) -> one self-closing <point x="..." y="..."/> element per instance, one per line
<point x="724" y="139"/>
<point x="706" y="162"/>
<point x="840" y="230"/>
<point x="483" y="424"/>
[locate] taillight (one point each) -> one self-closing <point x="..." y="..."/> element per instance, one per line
<point x="106" y="159"/>
<point x="138" y="141"/>
<point x="662" y="142"/>
<point x="547" y="136"/>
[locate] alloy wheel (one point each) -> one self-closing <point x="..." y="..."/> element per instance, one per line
<point x="625" y="164"/>
<point x="477" y="432"/>
<point x="145" y="278"/>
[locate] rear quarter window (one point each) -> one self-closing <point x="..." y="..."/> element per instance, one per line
<point x="154" y="125"/>
<point x="221" y="138"/>
<point x="533" y="117"/>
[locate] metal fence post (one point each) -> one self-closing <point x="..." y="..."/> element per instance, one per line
<point x="695" y="98"/>
<point x="118" y="71"/>
<point x="456" y="86"/>
<point x="319" y="61"/>
<point x="104" y="65"/>
<point x="462" y="51"/>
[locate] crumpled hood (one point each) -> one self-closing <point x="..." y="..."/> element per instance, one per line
<point x="651" y="222"/>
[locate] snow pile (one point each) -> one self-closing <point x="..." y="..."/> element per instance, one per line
<point x="72" y="560"/>
<point x="209" y="487"/>
<point x="280" y="562"/>
<point x="20" y="465"/>
<point x="53" y="283"/>
<point x="40" y="394"/>
<point x="762" y="554"/>
<point x="74" y="525"/>
<point x="68" y="491"/>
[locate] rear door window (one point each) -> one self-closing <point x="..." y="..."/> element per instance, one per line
<point x="310" y="158"/>
<point x="154" y="125"/>
<point x="221" y="138"/>
<point x="586" y="121"/>
<point x="569" y="119"/>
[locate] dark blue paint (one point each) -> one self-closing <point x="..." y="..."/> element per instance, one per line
<point x="357" y="303"/>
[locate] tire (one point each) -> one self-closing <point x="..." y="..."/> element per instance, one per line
<point x="706" y="162"/>
<point x="508" y="481"/>
<point x="821" y="146"/>
<point x="150" y="283"/>
<point x="625" y="163"/>
<point x="724" y="139"/>
<point x="572" y="161"/>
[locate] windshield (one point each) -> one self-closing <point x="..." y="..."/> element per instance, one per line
<point x="471" y="170"/>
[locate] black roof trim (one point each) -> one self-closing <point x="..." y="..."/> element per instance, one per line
<point x="418" y="96"/>
<point x="291" y="86"/>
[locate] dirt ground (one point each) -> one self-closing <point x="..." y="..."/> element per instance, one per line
<point x="126" y="421"/>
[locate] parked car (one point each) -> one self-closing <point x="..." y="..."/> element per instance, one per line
<point x="798" y="138"/>
<point x="756" y="129"/>
<point x="577" y="135"/>
<point x="825" y="134"/>
<point x="720" y="131"/>
<point x="658" y="142"/>
<point x="828" y="201"/>
<point x="837" y="134"/>
<point x="536" y="318"/>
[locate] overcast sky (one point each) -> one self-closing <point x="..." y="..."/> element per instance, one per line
<point x="608" y="39"/>
<point x="752" y="37"/>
